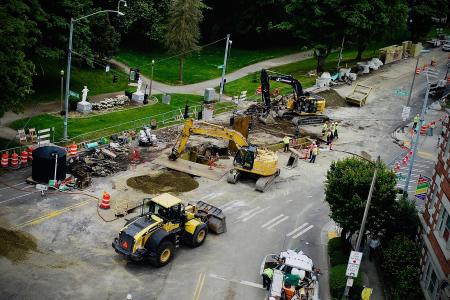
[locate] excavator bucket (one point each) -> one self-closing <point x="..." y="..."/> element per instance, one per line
<point x="292" y="161"/>
<point x="216" y="218"/>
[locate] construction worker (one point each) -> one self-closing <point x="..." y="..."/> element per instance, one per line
<point x="328" y="136"/>
<point x="416" y="121"/>
<point x="289" y="291"/>
<point x="430" y="130"/>
<point x="267" y="276"/>
<point x="366" y="293"/>
<point x="286" y="141"/>
<point x="315" y="151"/>
<point x="335" y="132"/>
<point x="325" y="129"/>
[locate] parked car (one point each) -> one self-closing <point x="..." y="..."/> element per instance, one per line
<point x="446" y="46"/>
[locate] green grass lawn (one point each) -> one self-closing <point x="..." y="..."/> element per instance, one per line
<point x="118" y="121"/>
<point x="298" y="69"/>
<point x="47" y="82"/>
<point x="198" y="66"/>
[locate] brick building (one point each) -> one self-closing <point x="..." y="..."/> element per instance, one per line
<point x="435" y="231"/>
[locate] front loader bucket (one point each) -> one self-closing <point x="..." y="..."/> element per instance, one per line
<point x="216" y="218"/>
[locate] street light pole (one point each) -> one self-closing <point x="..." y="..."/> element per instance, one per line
<point x="62" y="90"/>
<point x="366" y="213"/>
<point x="66" y="99"/>
<point x="416" y="142"/>
<point x="151" y="79"/>
<point x="224" y="66"/>
<point x="69" y="61"/>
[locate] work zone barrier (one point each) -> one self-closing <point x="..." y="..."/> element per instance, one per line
<point x="16" y="157"/>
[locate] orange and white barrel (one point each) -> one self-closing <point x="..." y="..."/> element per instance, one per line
<point x="24" y="158"/>
<point x="14" y="160"/>
<point x="5" y="159"/>
<point x="73" y="150"/>
<point x="30" y="154"/>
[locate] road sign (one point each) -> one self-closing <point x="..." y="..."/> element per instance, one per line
<point x="352" y="270"/>
<point x="401" y="93"/>
<point x="349" y="282"/>
<point x="353" y="264"/>
<point x="405" y="112"/>
<point x="107" y="68"/>
<point x="73" y="94"/>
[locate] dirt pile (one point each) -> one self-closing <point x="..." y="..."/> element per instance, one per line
<point x="166" y="182"/>
<point x="333" y="99"/>
<point x="16" y="245"/>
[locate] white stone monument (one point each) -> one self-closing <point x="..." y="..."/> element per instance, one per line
<point x="138" y="96"/>
<point x="83" y="106"/>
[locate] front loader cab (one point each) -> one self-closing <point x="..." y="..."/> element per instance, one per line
<point x="245" y="157"/>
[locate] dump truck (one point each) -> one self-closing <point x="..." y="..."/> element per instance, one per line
<point x="294" y="270"/>
<point x="249" y="159"/>
<point x="168" y="223"/>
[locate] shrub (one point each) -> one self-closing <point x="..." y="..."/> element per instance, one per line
<point x="338" y="281"/>
<point x="338" y="250"/>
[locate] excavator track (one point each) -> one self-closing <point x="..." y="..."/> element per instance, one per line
<point x="263" y="183"/>
<point x="307" y="120"/>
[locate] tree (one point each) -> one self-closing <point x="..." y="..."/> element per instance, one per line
<point x="318" y="24"/>
<point x="183" y="32"/>
<point x="406" y="220"/>
<point x="367" y="21"/>
<point x="18" y="32"/>
<point x="401" y="263"/>
<point x="421" y="14"/>
<point x="346" y="189"/>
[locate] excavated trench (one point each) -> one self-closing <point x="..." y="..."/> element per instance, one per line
<point x="165" y="182"/>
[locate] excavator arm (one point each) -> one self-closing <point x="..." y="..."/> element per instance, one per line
<point x="206" y="129"/>
<point x="265" y="86"/>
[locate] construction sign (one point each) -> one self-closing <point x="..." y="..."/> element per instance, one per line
<point x="423" y="184"/>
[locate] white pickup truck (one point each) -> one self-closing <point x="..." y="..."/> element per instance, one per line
<point x="291" y="265"/>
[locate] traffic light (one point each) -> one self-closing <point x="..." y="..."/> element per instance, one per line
<point x="115" y="78"/>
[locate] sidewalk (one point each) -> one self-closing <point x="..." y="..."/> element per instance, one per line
<point x="370" y="276"/>
<point x="199" y="88"/>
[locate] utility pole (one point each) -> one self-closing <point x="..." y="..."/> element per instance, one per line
<point x="66" y="99"/>
<point x="417" y="130"/>
<point x="151" y="79"/>
<point x="340" y="53"/>
<point x="366" y="213"/>
<point x="62" y="90"/>
<point x="224" y="65"/>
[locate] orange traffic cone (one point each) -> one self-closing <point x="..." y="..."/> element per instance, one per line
<point x="105" y="201"/>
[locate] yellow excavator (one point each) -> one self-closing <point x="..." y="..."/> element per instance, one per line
<point x="260" y="163"/>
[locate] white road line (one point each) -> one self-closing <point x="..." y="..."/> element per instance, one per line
<point x="248" y="212"/>
<point x="206" y="196"/>
<point x="297" y="229"/>
<point x="8" y="187"/>
<point x="303" y="231"/>
<point x="249" y="283"/>
<point x="271" y="221"/>
<point x="227" y="205"/>
<point x="243" y="282"/>
<point x="7" y="200"/>
<point x="254" y="214"/>
<point x="278" y="222"/>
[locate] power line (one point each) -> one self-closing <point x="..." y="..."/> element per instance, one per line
<point x="183" y="53"/>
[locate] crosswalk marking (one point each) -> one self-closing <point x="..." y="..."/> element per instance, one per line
<point x="278" y="222"/>
<point x="248" y="212"/>
<point x="297" y="229"/>
<point x="271" y="221"/>
<point x="303" y="231"/>
<point x="228" y="205"/>
<point x="254" y="214"/>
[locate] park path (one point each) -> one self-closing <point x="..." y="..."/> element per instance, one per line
<point x="199" y="88"/>
<point x="157" y="87"/>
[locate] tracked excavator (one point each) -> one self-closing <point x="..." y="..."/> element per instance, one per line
<point x="249" y="159"/>
<point x="302" y="108"/>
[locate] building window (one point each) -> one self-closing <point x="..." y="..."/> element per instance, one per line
<point x="442" y="221"/>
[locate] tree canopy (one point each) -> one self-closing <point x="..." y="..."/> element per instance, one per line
<point x="183" y="31"/>
<point x="346" y="190"/>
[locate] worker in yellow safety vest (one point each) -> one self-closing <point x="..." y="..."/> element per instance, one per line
<point x="325" y="129"/>
<point x="267" y="276"/>
<point x="416" y="121"/>
<point x="286" y="141"/>
<point x="366" y="293"/>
